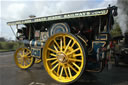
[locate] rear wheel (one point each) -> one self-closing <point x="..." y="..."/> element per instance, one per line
<point x="64" y="57"/>
<point x="23" y="58"/>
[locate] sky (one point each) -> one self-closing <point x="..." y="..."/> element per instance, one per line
<point x="11" y="10"/>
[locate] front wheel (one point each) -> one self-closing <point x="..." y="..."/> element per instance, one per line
<point x="23" y="58"/>
<point x="64" y="57"/>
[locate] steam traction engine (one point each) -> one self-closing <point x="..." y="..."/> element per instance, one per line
<point x="68" y="44"/>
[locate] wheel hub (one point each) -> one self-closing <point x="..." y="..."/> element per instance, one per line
<point x="61" y="57"/>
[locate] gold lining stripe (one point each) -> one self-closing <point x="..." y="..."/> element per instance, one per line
<point x="83" y="40"/>
<point x="98" y="42"/>
<point x="106" y="37"/>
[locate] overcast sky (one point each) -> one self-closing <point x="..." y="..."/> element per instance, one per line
<point x="11" y="10"/>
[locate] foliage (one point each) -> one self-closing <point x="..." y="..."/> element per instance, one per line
<point x="2" y="39"/>
<point x="8" y="46"/>
<point x="116" y="31"/>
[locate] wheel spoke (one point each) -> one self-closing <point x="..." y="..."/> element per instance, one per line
<point x="28" y="59"/>
<point x="72" y="68"/>
<point x="58" y="69"/>
<point x="75" y="60"/>
<point x="76" y="65"/>
<point x="77" y="55"/>
<point x="23" y="51"/>
<point x="25" y="63"/>
<point x="54" y="62"/>
<point x="69" y="72"/>
<point x="57" y="44"/>
<point x="55" y="48"/>
<point x="22" y="61"/>
<point x="49" y="59"/>
<point x="19" y="58"/>
<point x="64" y="41"/>
<point x="27" y="54"/>
<point x="20" y="54"/>
<point x="54" y="67"/>
<point x="67" y="46"/>
<point x="66" y="71"/>
<point x="73" y="51"/>
<point x="61" y="44"/>
<point x="52" y="50"/>
<point x="61" y="71"/>
<point x="72" y="44"/>
<point x="52" y="54"/>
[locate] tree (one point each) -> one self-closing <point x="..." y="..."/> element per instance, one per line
<point x="116" y="31"/>
<point x="2" y="39"/>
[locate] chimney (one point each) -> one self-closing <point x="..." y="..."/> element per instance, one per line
<point x="32" y="16"/>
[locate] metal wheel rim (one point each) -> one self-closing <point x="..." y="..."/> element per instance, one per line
<point x="23" y="58"/>
<point x="68" y="70"/>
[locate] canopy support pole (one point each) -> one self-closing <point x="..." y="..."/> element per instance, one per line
<point x="13" y="31"/>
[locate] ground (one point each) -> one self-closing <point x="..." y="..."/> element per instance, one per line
<point x="36" y="75"/>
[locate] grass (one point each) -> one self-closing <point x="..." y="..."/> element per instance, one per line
<point x="3" y="50"/>
<point x="9" y="46"/>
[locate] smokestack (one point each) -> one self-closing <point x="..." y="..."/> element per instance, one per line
<point x="123" y="15"/>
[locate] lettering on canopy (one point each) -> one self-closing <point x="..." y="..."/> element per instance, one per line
<point x="62" y="16"/>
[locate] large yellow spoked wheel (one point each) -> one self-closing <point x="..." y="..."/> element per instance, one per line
<point x="64" y="57"/>
<point x="23" y="58"/>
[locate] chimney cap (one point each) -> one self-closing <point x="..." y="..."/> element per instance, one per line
<point x="32" y="16"/>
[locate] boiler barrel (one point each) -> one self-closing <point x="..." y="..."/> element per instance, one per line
<point x="33" y="43"/>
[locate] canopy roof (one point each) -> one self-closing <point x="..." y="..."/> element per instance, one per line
<point x="62" y="16"/>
